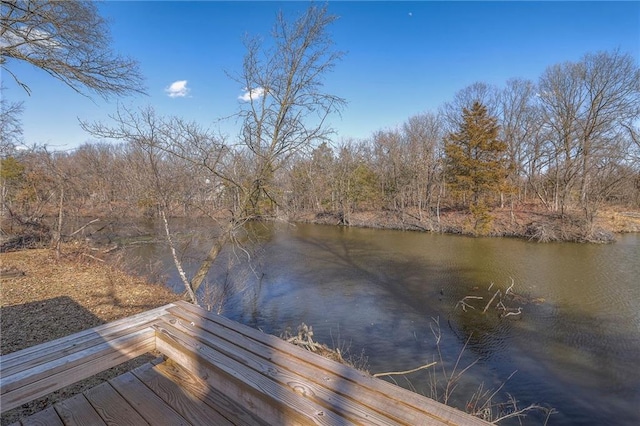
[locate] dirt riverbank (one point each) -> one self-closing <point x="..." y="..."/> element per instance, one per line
<point x="527" y="223"/>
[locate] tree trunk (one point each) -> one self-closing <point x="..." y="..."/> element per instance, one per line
<point x="58" y="234"/>
<point x="199" y="277"/>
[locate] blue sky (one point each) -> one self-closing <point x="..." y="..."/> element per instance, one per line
<point x="402" y="58"/>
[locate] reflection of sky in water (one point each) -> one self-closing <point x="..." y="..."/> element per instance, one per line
<point x="380" y="290"/>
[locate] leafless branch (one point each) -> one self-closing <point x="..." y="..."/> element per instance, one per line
<point x="70" y="41"/>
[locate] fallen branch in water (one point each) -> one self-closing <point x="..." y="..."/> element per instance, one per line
<point x="501" y="301"/>
<point x="511" y="312"/>
<point x="510" y="289"/>
<point x="398" y="373"/>
<point x="463" y="302"/>
<point x="490" y="301"/>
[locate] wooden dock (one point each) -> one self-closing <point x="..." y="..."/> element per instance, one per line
<point x="214" y="371"/>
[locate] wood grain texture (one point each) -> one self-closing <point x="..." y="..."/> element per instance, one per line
<point x="34" y="372"/>
<point x="387" y="397"/>
<point x="149" y="405"/>
<point x="275" y="403"/>
<point x="38" y="354"/>
<point x="46" y="417"/>
<point x="340" y="397"/>
<point x="219" y="372"/>
<point x="65" y="361"/>
<point x="77" y="411"/>
<point x="43" y="379"/>
<point x="112" y="407"/>
<point x="193" y="398"/>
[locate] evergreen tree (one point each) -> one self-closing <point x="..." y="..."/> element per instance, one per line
<point x="476" y="164"/>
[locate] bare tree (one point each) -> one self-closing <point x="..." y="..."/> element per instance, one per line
<point x="70" y="41"/>
<point x="519" y="126"/>
<point x="424" y="135"/>
<point x="479" y="92"/>
<point x="391" y="166"/>
<point x="285" y="106"/>
<point x="561" y="98"/>
<point x="284" y="112"/>
<point x="107" y="177"/>
<point x="155" y="141"/>
<point x="611" y="83"/>
<point x="310" y="180"/>
<point x="633" y="133"/>
<point x="586" y="106"/>
<point x="10" y="124"/>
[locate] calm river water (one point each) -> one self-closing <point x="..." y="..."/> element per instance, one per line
<point x="384" y="292"/>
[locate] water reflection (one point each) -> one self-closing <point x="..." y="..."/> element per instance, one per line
<point x="381" y="291"/>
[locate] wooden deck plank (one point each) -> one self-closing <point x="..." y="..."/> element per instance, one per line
<point x="219" y="372"/>
<point x="13" y="381"/>
<point x="21" y="388"/>
<point x="77" y="411"/>
<point x="399" y="399"/>
<point x="19" y="360"/>
<point x="149" y="405"/>
<point x="80" y="346"/>
<point x="112" y="407"/>
<point x="275" y="403"/>
<point x="46" y="417"/>
<point x="283" y="362"/>
<point x="330" y="387"/>
<point x="337" y="396"/>
<point x="192" y="397"/>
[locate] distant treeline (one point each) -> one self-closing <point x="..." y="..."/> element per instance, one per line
<point x="568" y="143"/>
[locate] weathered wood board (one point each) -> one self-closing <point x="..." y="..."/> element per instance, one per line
<point x="217" y="371"/>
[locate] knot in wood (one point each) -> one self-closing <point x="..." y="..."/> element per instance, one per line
<point x="301" y="389"/>
<point x="272" y="372"/>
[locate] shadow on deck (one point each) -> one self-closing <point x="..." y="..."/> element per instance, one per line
<point x="213" y="371"/>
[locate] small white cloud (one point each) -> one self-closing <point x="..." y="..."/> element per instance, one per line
<point x="410" y="14"/>
<point x="251" y="94"/>
<point x="177" y="89"/>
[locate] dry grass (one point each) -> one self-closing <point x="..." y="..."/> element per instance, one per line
<point x="43" y="298"/>
<point x="620" y="220"/>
